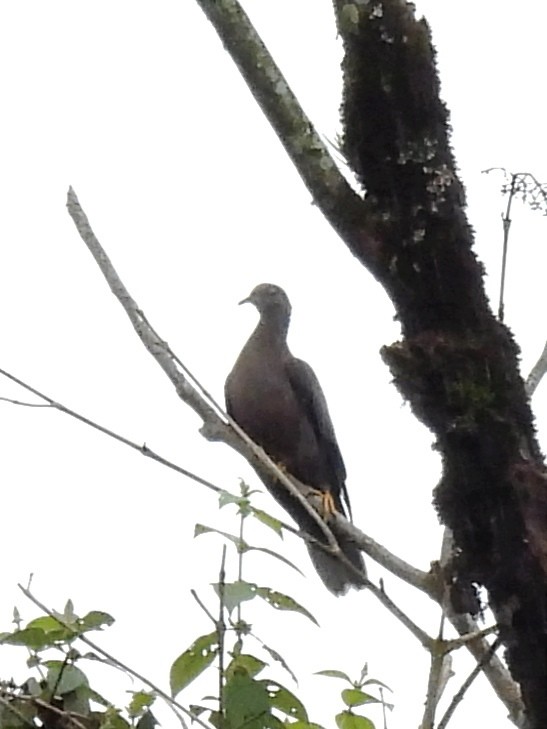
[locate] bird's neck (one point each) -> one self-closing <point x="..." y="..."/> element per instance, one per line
<point x="273" y="326"/>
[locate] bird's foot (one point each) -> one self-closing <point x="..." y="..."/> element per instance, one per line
<point x="328" y="507"/>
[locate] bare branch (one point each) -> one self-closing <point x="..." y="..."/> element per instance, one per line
<point x="458" y="696"/>
<point x="339" y="203"/>
<point x="143" y="449"/>
<point x="217" y="424"/>
<point x="493" y="668"/>
<point x="391" y="562"/>
<point x="537" y="372"/>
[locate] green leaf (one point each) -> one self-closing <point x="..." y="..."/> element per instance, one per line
<point x="271" y="553"/>
<point x="375" y="682"/>
<point x="69" y="616"/>
<point x="235" y="593"/>
<point x="347" y="720"/>
<point x="33" y="688"/>
<point x="279" y="658"/>
<point x="240" y="544"/>
<point x="16" y="616"/>
<point x="113" y="720"/>
<point x="77" y="701"/>
<point x="140" y="701"/>
<point x="216" y="719"/>
<point x="47" y="623"/>
<point x="246" y="702"/>
<point x="95" y="620"/>
<point x="332" y="673"/>
<point x="283" y="700"/>
<point x="147" y="721"/>
<point x="269" y="520"/>
<point x="246" y="663"/>
<point x="26" y="713"/>
<point x="63" y="678"/>
<point x="97" y="698"/>
<point x="356" y="697"/>
<point x="192" y="662"/>
<point x="304" y="725"/>
<point x="225" y="498"/>
<point x="279" y="601"/>
<point x="197" y="710"/>
<point x="33" y="638"/>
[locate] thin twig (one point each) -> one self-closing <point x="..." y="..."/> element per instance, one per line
<point x="458" y="696"/>
<point x="426" y="641"/>
<point x="203" y="606"/>
<point x="400" y="568"/>
<point x="221" y="632"/>
<point x="25" y="404"/>
<point x="506" y="221"/>
<point x="142" y="449"/>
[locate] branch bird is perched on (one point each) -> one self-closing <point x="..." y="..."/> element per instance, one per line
<point x="277" y="400"/>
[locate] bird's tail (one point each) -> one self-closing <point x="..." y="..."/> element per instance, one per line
<point x="336" y="576"/>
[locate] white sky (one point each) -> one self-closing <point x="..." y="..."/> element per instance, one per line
<point x="137" y="106"/>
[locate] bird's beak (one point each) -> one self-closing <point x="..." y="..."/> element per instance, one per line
<point x="247" y="300"/>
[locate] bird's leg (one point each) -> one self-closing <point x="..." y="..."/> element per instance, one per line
<point x="328" y="507"/>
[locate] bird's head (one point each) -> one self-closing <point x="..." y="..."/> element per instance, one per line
<point x="269" y="299"/>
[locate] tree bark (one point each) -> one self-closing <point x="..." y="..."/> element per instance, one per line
<point x="456" y="364"/>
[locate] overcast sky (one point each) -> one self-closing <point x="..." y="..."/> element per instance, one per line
<point x="136" y="105"/>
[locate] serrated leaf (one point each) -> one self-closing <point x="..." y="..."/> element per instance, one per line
<point x="279" y="601"/>
<point x="333" y="673"/>
<point x="95" y="620"/>
<point x="192" y="662"/>
<point x="247" y="663"/>
<point x="283" y="700"/>
<point x="280" y="557"/>
<point x="33" y="638"/>
<point x="63" y="678"/>
<point x="348" y="720"/>
<point x="269" y="520"/>
<point x="246" y="702"/>
<point x="356" y="697"/>
<point x="140" y="701"/>
<point x="235" y="593"/>
<point x="279" y="658"/>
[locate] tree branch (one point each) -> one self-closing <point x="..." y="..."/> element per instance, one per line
<point x="338" y="202"/>
<point x="217" y="424"/>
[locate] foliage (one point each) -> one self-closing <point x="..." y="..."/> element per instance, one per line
<point x="57" y="694"/>
<point x="356" y="696"/>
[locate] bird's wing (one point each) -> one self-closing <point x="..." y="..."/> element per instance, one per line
<point x="308" y="391"/>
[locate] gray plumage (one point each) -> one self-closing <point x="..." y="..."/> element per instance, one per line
<point x="278" y="401"/>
